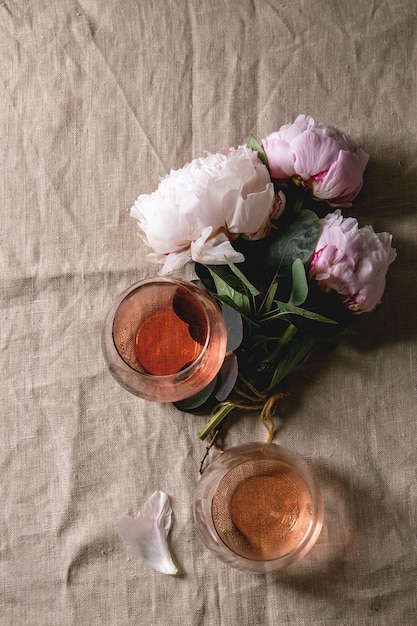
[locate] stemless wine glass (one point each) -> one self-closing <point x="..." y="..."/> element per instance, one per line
<point x="258" y="507"/>
<point x="164" y="339"/>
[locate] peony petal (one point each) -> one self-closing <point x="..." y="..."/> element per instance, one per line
<point x="174" y="261"/>
<point x="344" y="179"/>
<point x="315" y="152"/>
<point x="209" y="250"/>
<point x="251" y="215"/>
<point x="146" y="535"/>
<point x="280" y="156"/>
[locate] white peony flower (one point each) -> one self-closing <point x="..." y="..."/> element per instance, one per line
<point x="197" y="211"/>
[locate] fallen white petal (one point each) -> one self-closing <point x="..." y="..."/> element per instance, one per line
<point x="146" y="535"/>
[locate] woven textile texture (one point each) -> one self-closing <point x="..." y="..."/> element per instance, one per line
<point x="98" y="100"/>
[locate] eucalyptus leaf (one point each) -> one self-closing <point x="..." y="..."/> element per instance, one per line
<point x="228" y="376"/>
<point x="198" y="399"/>
<point x="234" y="327"/>
<point x="299" y="291"/>
<point x="297" y="241"/>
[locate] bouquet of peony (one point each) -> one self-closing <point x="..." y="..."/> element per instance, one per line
<point x="263" y="224"/>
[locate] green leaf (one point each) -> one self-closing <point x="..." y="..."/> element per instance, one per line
<point x="205" y="277"/>
<point x="281" y="343"/>
<point x="256" y="147"/>
<point x="297" y="349"/>
<point x="270" y="296"/>
<point x="228" y="376"/>
<point x="198" y="399"/>
<point x="228" y="294"/>
<point x="245" y="282"/>
<point x="246" y="314"/>
<point x="234" y="327"/>
<point x="299" y="291"/>
<point x="286" y="308"/>
<point x="231" y="282"/>
<point x="296" y="241"/>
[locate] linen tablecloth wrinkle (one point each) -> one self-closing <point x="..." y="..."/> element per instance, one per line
<point x="98" y="100"/>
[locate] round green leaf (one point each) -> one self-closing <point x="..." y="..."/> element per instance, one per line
<point x="296" y="241"/>
<point x="299" y="290"/>
<point x="198" y="399"/>
<point x="228" y="376"/>
<point x="234" y="327"/>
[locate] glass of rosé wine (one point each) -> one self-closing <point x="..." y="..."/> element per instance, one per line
<point x="164" y="339"/>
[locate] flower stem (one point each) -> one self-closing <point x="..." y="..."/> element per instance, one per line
<point x="291" y="359"/>
<point x="216" y="420"/>
<point x="288" y="334"/>
<point x="285" y="339"/>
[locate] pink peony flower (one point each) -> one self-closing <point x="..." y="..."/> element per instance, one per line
<point x="353" y="261"/>
<point x="197" y="210"/>
<point x="326" y="160"/>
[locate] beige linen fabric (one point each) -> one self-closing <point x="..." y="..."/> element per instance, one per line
<point x="98" y="100"/>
